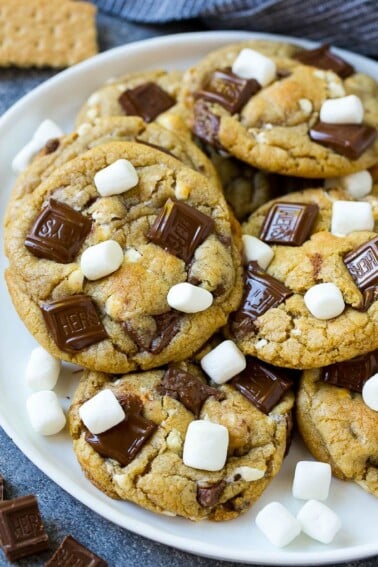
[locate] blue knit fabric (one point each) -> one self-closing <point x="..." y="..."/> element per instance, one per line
<point x="352" y="24"/>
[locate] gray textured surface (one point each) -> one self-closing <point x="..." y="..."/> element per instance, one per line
<point x="61" y="513"/>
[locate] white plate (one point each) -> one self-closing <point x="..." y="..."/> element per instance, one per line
<point x="239" y="540"/>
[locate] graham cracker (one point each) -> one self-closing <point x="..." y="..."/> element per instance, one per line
<point x="46" y="33"/>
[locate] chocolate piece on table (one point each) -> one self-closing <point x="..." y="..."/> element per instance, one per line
<point x="57" y="233"/>
<point x="71" y="553"/>
<point x="1" y="489"/>
<point x="147" y="100"/>
<point x="289" y="223"/>
<point x="262" y="384"/>
<point x="180" y="228"/>
<point x="323" y="58"/>
<point x="352" y="374"/>
<point x="349" y="140"/>
<point x="362" y="264"/>
<point x="206" y="124"/>
<point x="21" y="529"/>
<point x="187" y="389"/>
<point x="123" y="441"/>
<point x="208" y="496"/>
<point x="228" y="90"/>
<point x="74" y="322"/>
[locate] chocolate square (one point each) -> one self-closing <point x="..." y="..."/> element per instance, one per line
<point x="362" y="264"/>
<point x="180" y="228"/>
<point x="208" y="496"/>
<point x="147" y="100"/>
<point x="262" y="384"/>
<point x="228" y="90"/>
<point x="349" y="140"/>
<point x="57" y="233"/>
<point x="74" y="322"/>
<point x="206" y="124"/>
<point x="352" y="374"/>
<point x="71" y="553"/>
<point x="289" y="223"/>
<point x="323" y="58"/>
<point x="21" y="529"/>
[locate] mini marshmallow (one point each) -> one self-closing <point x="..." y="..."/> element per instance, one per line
<point x="318" y="521"/>
<point x="312" y="480"/>
<point x="189" y="298"/>
<point x="223" y="362"/>
<point x="42" y="371"/>
<point x="251" y="64"/>
<point x="324" y="301"/>
<point x="357" y="185"/>
<point x="343" y="110"/>
<point x="45" y="414"/>
<point x="351" y="216"/>
<point x="116" y="178"/>
<point x="102" y="412"/>
<point x="370" y="392"/>
<point x="101" y="259"/>
<point x="256" y="250"/>
<point x="205" y="445"/>
<point x="277" y="524"/>
<point x="45" y="131"/>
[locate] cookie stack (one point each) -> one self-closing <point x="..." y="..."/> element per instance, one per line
<point x="198" y="241"/>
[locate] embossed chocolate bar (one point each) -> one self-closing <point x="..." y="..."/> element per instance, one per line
<point x="228" y="90"/>
<point x="289" y="223"/>
<point x="362" y="264"/>
<point x="147" y="100"/>
<point x="323" y="58"/>
<point x="353" y="373"/>
<point x="350" y="140"/>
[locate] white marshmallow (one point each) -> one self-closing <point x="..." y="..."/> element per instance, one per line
<point x="205" y="445"/>
<point x="116" y="178"/>
<point x="312" y="480"/>
<point x="42" y="371"/>
<point x="277" y="524"/>
<point x="45" y="414"/>
<point x="102" y="412"/>
<point x="223" y="362"/>
<point x="251" y="64"/>
<point x="324" y="301"/>
<point x="358" y="185"/>
<point x="351" y="216"/>
<point x="370" y="392"/>
<point x="318" y="521"/>
<point x="45" y="131"/>
<point x="189" y="298"/>
<point x="101" y="259"/>
<point x="22" y="159"/>
<point x="256" y="250"/>
<point x="343" y="110"/>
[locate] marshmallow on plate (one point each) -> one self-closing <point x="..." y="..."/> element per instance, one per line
<point x="312" y="480"/>
<point x="42" y="371"/>
<point x="223" y="362"/>
<point x="45" y="131"/>
<point x="357" y="185"/>
<point x="251" y="64"/>
<point x="102" y="412"/>
<point x="205" y="445"/>
<point x="277" y="524"/>
<point x="370" y="392"/>
<point x="45" y="414"/>
<point x="324" y="301"/>
<point x="318" y="521"/>
<point x="256" y="250"/>
<point x="101" y="259"/>
<point x="116" y="178"/>
<point x="189" y="298"/>
<point x="351" y="216"/>
<point x="342" y="110"/>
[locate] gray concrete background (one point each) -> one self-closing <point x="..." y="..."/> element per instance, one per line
<point x="62" y="514"/>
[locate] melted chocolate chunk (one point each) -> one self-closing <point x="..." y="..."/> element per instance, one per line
<point x="323" y="58"/>
<point x="362" y="264"/>
<point x="262" y="384"/>
<point x="51" y="146"/>
<point x="187" y="389"/>
<point x="123" y="441"/>
<point x="74" y="323"/>
<point x="71" y="553"/>
<point x="261" y="293"/>
<point x="369" y="295"/>
<point x="167" y="326"/>
<point x="21" y="529"/>
<point x="208" y="496"/>
<point x="289" y="223"/>
<point x="352" y="374"/>
<point x="147" y="100"/>
<point x="206" y="124"/>
<point x="228" y="90"/>
<point x="349" y="140"/>
<point x="57" y="233"/>
<point x="1" y="489"/>
<point x="180" y="228"/>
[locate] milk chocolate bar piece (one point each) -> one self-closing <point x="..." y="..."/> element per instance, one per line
<point x="206" y="124"/>
<point x="323" y="58"/>
<point x="352" y="374"/>
<point x="289" y="223"/>
<point x="362" y="264"/>
<point x="147" y="100"/>
<point x="228" y="90"/>
<point x="71" y="553"/>
<point x="349" y="140"/>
